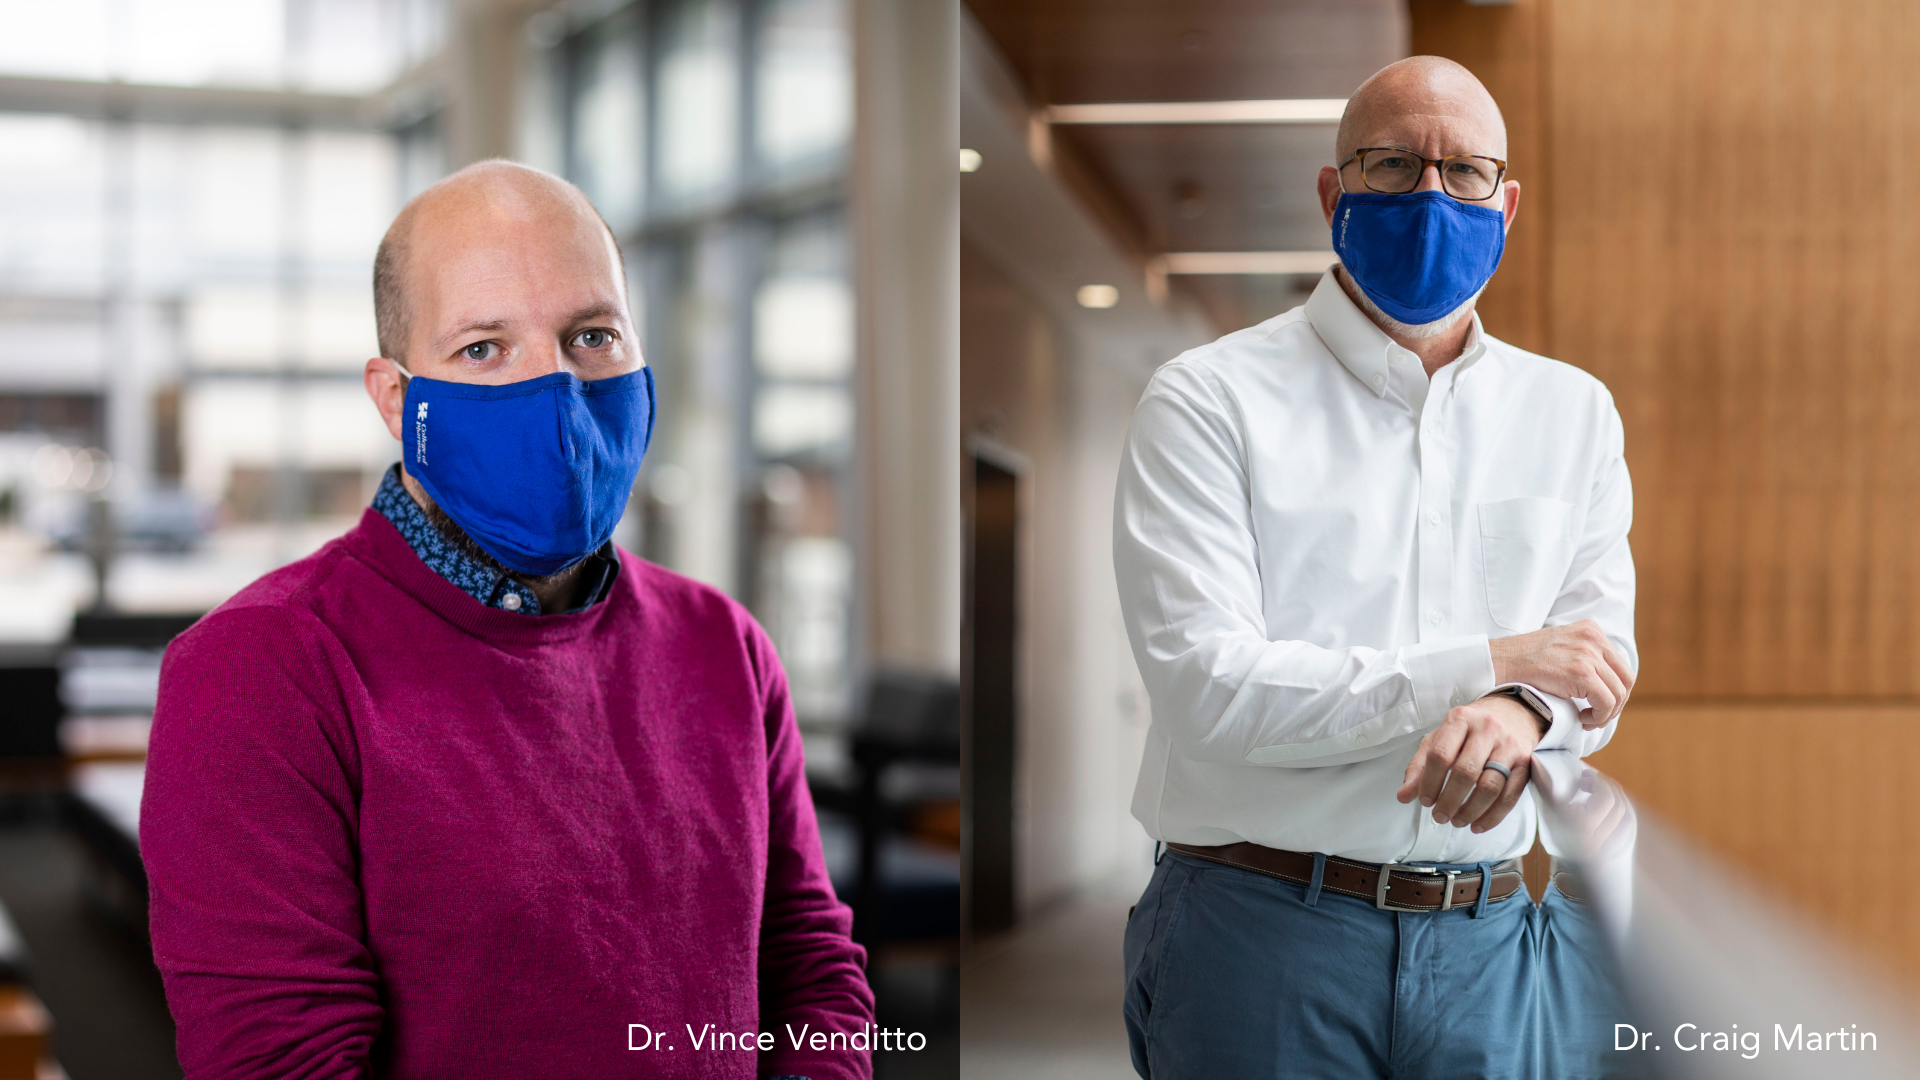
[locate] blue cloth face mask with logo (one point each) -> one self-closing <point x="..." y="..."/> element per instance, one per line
<point x="1419" y="255"/>
<point x="537" y="472"/>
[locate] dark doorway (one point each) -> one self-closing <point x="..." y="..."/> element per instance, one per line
<point x="987" y="765"/>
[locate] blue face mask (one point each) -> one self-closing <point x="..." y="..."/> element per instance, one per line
<point x="537" y="472"/>
<point x="1420" y="255"/>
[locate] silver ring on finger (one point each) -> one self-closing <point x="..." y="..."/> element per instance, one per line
<point x="1505" y="773"/>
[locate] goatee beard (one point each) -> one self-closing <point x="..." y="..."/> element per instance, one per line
<point x="452" y="533"/>
<point x="1415" y="331"/>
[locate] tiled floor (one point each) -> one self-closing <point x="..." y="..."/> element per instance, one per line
<point x="920" y="997"/>
<point x="1043" y="1002"/>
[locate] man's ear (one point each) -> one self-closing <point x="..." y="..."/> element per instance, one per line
<point x="1510" y="205"/>
<point x="388" y="391"/>
<point x="1329" y="191"/>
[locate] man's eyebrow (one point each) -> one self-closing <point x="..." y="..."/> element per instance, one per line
<point x="482" y="325"/>
<point x="594" y="311"/>
<point x="591" y="311"/>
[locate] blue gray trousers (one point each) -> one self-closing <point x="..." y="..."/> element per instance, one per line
<point x="1233" y="975"/>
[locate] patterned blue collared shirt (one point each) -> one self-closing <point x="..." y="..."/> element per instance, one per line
<point x="485" y="581"/>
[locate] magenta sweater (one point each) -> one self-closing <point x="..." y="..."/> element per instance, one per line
<point x="393" y="832"/>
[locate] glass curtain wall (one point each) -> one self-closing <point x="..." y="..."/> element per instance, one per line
<point x="713" y="136"/>
<point x="184" y="304"/>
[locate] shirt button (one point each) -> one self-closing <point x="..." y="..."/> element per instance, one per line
<point x="511" y="602"/>
<point x="1360" y="740"/>
<point x="1434" y="617"/>
<point x="1379" y="380"/>
<point x="1433" y="518"/>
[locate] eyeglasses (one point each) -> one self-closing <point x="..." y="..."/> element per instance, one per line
<point x="1390" y="170"/>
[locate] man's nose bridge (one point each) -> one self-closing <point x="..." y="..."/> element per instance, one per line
<point x="544" y="358"/>
<point x="1425" y="168"/>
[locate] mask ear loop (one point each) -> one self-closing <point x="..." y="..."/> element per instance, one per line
<point x="406" y="377"/>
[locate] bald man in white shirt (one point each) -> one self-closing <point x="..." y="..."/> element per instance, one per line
<point x="1371" y="559"/>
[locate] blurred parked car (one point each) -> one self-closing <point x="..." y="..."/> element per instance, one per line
<point x="162" y="521"/>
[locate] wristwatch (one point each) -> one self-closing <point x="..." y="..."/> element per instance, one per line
<point x="1531" y="700"/>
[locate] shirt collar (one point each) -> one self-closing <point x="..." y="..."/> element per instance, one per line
<point x="1363" y="347"/>
<point x="485" y="581"/>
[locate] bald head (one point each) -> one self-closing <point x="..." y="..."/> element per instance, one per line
<point x="498" y="274"/>
<point x="470" y="214"/>
<point x="1423" y="103"/>
<point x="1435" y="108"/>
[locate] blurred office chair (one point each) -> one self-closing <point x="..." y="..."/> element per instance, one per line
<point x="906" y="759"/>
<point x="109" y="675"/>
<point x="30" y="708"/>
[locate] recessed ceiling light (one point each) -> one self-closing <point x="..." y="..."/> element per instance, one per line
<point x="1097" y="296"/>
<point x="969" y="160"/>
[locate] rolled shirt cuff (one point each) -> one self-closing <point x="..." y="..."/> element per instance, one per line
<point x="1449" y="673"/>
<point x="1565" y="729"/>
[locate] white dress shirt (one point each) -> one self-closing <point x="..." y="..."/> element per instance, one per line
<point x="1314" y="543"/>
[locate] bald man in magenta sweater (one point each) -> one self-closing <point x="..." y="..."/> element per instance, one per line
<point x="470" y="792"/>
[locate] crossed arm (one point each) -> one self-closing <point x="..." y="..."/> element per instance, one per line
<point x="1190" y="582"/>
<point x="1449" y="770"/>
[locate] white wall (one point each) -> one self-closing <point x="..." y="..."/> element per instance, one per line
<point x="1057" y="384"/>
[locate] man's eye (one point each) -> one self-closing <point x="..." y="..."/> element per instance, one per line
<point x="480" y="350"/>
<point x="593" y="339"/>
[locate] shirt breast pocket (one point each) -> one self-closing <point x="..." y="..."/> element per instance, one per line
<point x="1526" y="545"/>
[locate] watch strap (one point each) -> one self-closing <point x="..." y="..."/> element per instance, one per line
<point x="1532" y="701"/>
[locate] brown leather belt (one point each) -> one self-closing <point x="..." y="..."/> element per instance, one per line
<point x="1401" y="888"/>
<point x="1568" y="880"/>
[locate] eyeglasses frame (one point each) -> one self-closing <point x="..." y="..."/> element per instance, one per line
<point x="1498" y="179"/>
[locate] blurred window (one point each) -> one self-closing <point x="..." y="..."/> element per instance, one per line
<point x="740" y="114"/>
<point x="328" y="46"/>
<point x="699" y="97"/>
<point x="184" y="304"/>
<point x="803" y="327"/>
<point x="804" y="92"/>
<point x="52" y="188"/>
<point x="793" y="419"/>
<point x="609" y="158"/>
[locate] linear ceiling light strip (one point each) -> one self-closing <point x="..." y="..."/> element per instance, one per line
<point x="1247" y="262"/>
<point x="1273" y="111"/>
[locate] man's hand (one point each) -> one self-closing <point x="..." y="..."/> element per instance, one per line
<point x="1449" y="772"/>
<point x="1572" y="661"/>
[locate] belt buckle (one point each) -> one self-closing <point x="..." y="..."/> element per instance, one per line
<point x="1380" y="887"/>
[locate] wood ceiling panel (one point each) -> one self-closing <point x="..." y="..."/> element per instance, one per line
<point x="1200" y="188"/>
<point x="1195" y="50"/>
<point x="1215" y="188"/>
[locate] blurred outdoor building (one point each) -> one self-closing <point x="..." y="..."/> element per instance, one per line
<point x="191" y="193"/>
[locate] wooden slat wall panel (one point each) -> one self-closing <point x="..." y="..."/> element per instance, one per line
<point x="1503" y="45"/>
<point x="1736" y="186"/>
<point x="1732" y="190"/>
<point x="1781" y="790"/>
